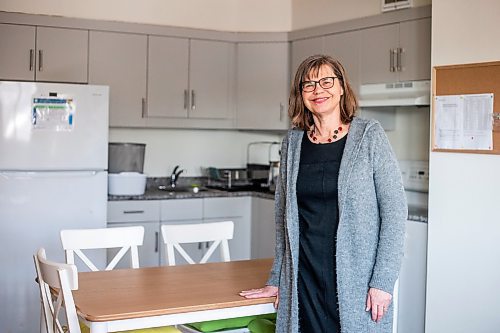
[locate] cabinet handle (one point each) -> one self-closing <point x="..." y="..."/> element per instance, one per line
<point x="40" y="60"/>
<point x="207" y="245"/>
<point x="186" y="97"/>
<point x="392" y="52"/>
<point x="199" y="246"/>
<point x="156" y="241"/>
<point x="32" y="55"/>
<point x="193" y="100"/>
<point x="281" y="111"/>
<point x="143" y="106"/>
<point x="133" y="212"/>
<point x="399" y="55"/>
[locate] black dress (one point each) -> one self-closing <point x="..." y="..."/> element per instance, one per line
<point x="317" y="198"/>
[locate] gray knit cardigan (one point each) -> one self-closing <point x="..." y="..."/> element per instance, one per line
<point x="370" y="236"/>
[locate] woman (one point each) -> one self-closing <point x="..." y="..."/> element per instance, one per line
<point x="340" y="212"/>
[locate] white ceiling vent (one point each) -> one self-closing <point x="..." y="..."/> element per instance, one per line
<point x="388" y="5"/>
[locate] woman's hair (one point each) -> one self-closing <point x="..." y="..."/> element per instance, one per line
<point x="301" y="117"/>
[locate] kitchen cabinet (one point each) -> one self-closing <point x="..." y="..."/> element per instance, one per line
<point x="262" y="85"/>
<point x="43" y="54"/>
<point x="181" y="211"/>
<point x="168" y="63"/>
<point x="211" y="66"/>
<point x="396" y="52"/>
<point x="137" y="212"/>
<point x="189" y="79"/>
<point x="345" y="48"/>
<point x="237" y="210"/>
<point x="119" y="61"/>
<point x="303" y="48"/>
<point x="263" y="228"/>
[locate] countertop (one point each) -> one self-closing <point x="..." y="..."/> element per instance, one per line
<point x="153" y="193"/>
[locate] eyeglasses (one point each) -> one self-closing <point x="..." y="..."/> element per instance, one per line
<point x="325" y="83"/>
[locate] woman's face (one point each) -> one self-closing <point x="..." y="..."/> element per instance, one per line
<point x="322" y="101"/>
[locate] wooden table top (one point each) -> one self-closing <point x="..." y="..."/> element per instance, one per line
<point x="135" y="293"/>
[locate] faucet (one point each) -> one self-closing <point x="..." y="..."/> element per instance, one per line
<point x="175" y="176"/>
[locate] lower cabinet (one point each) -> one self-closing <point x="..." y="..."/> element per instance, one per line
<point x="132" y="213"/>
<point x="152" y="214"/>
<point x="263" y="228"/>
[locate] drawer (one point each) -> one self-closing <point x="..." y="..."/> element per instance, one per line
<point x="226" y="207"/>
<point x="181" y="209"/>
<point x="133" y="211"/>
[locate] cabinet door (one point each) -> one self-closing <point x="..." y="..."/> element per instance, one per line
<point x="415" y="41"/>
<point x="262" y="85"/>
<point x="168" y="77"/>
<point x="301" y="49"/>
<point x="210" y="69"/>
<point x="62" y="55"/>
<point x="149" y="252"/>
<point x="345" y="48"/>
<point x="263" y="228"/>
<point x="17" y="54"/>
<point x="194" y="250"/>
<point x="237" y="210"/>
<point x="375" y="54"/>
<point x="119" y="61"/>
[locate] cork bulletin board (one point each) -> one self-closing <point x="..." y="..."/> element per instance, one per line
<point x="478" y="78"/>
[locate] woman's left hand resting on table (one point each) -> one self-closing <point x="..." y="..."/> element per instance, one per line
<point x="378" y="302"/>
<point x="267" y="291"/>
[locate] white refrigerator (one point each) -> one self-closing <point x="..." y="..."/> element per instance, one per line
<point x="53" y="161"/>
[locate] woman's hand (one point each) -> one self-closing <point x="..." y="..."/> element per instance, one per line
<point x="267" y="291"/>
<point x="378" y="302"/>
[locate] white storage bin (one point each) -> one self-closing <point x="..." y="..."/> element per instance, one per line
<point x="126" y="183"/>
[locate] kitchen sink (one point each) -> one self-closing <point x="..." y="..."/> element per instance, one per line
<point x="180" y="189"/>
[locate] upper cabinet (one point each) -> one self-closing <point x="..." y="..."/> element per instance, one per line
<point x="303" y="48"/>
<point x="342" y="46"/>
<point x="262" y="85"/>
<point x="211" y="68"/>
<point x="189" y="82"/>
<point x="345" y="48"/>
<point x="119" y="61"/>
<point x="43" y="54"/>
<point x="168" y="89"/>
<point x="396" y="52"/>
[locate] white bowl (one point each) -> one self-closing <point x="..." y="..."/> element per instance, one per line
<point x="126" y="183"/>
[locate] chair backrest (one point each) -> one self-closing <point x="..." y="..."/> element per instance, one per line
<point x="217" y="232"/>
<point x="126" y="238"/>
<point x="63" y="277"/>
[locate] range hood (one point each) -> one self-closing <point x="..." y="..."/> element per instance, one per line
<point x="415" y="93"/>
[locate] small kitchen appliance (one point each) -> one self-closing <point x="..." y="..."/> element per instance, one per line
<point x="125" y="167"/>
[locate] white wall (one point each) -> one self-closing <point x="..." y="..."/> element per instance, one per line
<point x="312" y="13"/>
<point x="464" y="195"/>
<point x="224" y="15"/>
<point x="194" y="149"/>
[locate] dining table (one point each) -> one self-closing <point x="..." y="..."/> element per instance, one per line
<point x="126" y="299"/>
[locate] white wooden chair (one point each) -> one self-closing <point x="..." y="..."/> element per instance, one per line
<point x="126" y="238"/>
<point x="217" y="232"/>
<point x="65" y="278"/>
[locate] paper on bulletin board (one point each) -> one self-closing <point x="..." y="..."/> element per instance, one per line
<point x="53" y="113"/>
<point x="464" y="122"/>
